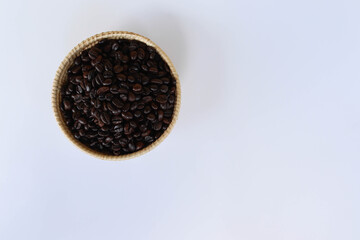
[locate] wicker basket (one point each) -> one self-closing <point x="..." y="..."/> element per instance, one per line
<point x="61" y="76"/>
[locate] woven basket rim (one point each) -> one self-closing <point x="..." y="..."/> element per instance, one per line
<point x="60" y="77"/>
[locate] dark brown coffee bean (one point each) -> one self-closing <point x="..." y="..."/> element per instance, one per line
<point x="139" y="145"/>
<point x="160" y="115"/>
<point x="156" y="81"/>
<point x="157" y="126"/>
<point x="164" y="88"/>
<point x="151" y="117"/>
<point x="153" y="70"/>
<point x="137" y="114"/>
<point x="166" y="121"/>
<point x="82" y="120"/>
<point x="108" y="96"/>
<point x="116" y="120"/>
<point x="171" y="99"/>
<point x="146" y="133"/>
<point x="131" y="78"/>
<point x="99" y="67"/>
<point x="147" y="109"/>
<point x="161" y="98"/>
<point x="153" y="88"/>
<point x="121" y="77"/>
<point x="97" y="60"/>
<point x="154" y="106"/>
<point x="105" y="118"/>
<point x="141" y="53"/>
<point x="137" y="87"/>
<point x="127" y="115"/>
<point x="67" y="104"/>
<point x="144" y="67"/>
<point x="102" y="90"/>
<point x="117" y="102"/>
<point x="133" y="55"/>
<point x="118" y="68"/>
<point x="147" y="99"/>
<point x="108" y="74"/>
<point x="132" y="147"/>
<point x="131" y="97"/>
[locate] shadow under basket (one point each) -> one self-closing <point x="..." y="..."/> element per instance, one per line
<point x="61" y="78"/>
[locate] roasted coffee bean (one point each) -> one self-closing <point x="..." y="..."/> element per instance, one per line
<point x="116" y="120"/>
<point x="137" y="87"/>
<point x="131" y="78"/>
<point x="151" y="117"/>
<point x="157" y="126"/>
<point x="108" y="96"/>
<point x="141" y="53"/>
<point x="154" y="105"/>
<point x="156" y="81"/>
<point x="99" y="67"/>
<point x="164" y="88"/>
<point x="121" y="77"/>
<point x="153" y="70"/>
<point x="67" y="104"/>
<point x="171" y="99"/>
<point x="139" y="145"/>
<point x="119" y="96"/>
<point x="137" y="113"/>
<point x="160" y="115"/>
<point x="147" y="109"/>
<point x="133" y="55"/>
<point x="161" y="98"/>
<point x="131" y="97"/>
<point x="105" y="118"/>
<point x="102" y="90"/>
<point x="147" y="99"/>
<point x="108" y="74"/>
<point x="127" y="115"/>
<point x="117" y="102"/>
<point x="118" y="68"/>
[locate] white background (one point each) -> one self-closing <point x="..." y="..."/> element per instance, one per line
<point x="267" y="145"/>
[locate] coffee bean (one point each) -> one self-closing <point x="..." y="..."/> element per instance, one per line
<point x="119" y="96"/>
<point x="164" y="88"/>
<point x="137" y="87"/>
<point x="121" y="77"/>
<point x="151" y="117"/>
<point x="171" y="99"/>
<point x="118" y="68"/>
<point x="141" y="53"/>
<point x="116" y="120"/>
<point x="157" y="126"/>
<point x="147" y="110"/>
<point x="99" y="67"/>
<point x="67" y="104"/>
<point x="153" y="70"/>
<point x="108" y="74"/>
<point x="131" y="97"/>
<point x="102" y="90"/>
<point x="156" y="81"/>
<point x="133" y="55"/>
<point x="105" y="118"/>
<point x="117" y="102"/>
<point x="161" y="98"/>
<point x="139" y="145"/>
<point x="127" y="115"/>
<point x="147" y="99"/>
<point x="107" y="82"/>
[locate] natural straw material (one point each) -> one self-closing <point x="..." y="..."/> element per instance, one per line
<point x="61" y="77"/>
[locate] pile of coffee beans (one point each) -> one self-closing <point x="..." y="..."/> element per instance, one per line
<point x="119" y="96"/>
